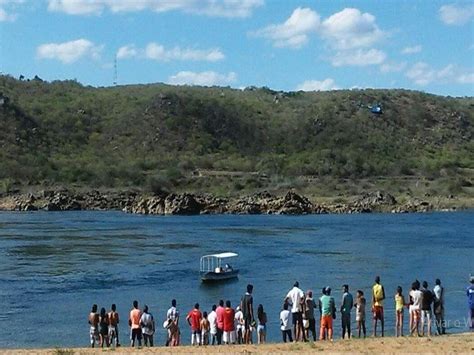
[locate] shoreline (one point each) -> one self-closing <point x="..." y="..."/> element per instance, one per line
<point x="451" y="343"/>
<point x="264" y="202"/>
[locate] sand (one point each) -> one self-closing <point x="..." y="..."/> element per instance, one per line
<point x="456" y="343"/>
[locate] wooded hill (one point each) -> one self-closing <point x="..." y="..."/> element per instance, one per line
<point x="164" y="137"/>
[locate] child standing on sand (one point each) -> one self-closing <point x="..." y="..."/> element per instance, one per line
<point x="205" y="328"/>
<point x="399" y="304"/>
<point x="360" y="312"/>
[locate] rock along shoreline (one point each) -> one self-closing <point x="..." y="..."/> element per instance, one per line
<point x="195" y="204"/>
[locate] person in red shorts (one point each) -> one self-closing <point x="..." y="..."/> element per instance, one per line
<point x="378" y="295"/>
<point x="194" y="320"/>
<point x="327" y="307"/>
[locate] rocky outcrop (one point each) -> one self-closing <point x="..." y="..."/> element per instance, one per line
<point x="172" y="204"/>
<point x="266" y="203"/>
<point x="371" y="201"/>
<point x="66" y="200"/>
<point x="189" y="204"/>
<point x="185" y="204"/>
<point x="291" y="203"/>
<point x="414" y="205"/>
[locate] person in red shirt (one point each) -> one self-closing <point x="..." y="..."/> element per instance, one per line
<point x="134" y="323"/>
<point x="229" y="327"/>
<point x="220" y="321"/>
<point x="194" y="320"/>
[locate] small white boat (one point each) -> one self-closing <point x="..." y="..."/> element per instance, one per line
<point x="216" y="268"/>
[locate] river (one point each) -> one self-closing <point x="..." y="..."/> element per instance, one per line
<point x="55" y="265"/>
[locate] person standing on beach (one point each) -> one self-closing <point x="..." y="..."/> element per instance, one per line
<point x="246" y="305"/>
<point x="399" y="307"/>
<point x="113" y="326"/>
<point x="212" y="318"/>
<point x="378" y="295"/>
<point x="239" y="325"/>
<point x="415" y="308"/>
<point x="220" y="321"/>
<point x="346" y="308"/>
<point x="148" y="327"/>
<point x="103" y="328"/>
<point x="327" y="308"/>
<point x="295" y="298"/>
<point x="470" y="302"/>
<point x="426" y="301"/>
<point x="262" y="324"/>
<point x="134" y="323"/>
<point x="194" y="320"/>
<point x="205" y="329"/>
<point x="94" y="323"/>
<point x="310" y="306"/>
<point x="172" y="315"/>
<point x="285" y="323"/>
<point x="360" y="312"/>
<point x="438" y="307"/>
<point x="229" y="324"/>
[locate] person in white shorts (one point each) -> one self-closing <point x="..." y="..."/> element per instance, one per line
<point x="239" y="325"/>
<point x="229" y="324"/>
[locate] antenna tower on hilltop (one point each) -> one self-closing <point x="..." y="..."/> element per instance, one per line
<point x="115" y="70"/>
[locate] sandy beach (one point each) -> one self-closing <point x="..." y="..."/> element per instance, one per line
<point x="456" y="343"/>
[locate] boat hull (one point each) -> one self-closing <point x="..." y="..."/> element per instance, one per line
<point x="209" y="276"/>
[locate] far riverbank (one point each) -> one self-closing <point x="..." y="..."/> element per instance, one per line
<point x="291" y="203"/>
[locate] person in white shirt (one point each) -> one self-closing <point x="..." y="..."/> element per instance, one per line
<point x="239" y="324"/>
<point x="173" y="329"/>
<point x="415" y="307"/>
<point x="285" y="323"/>
<point x="212" y="318"/>
<point x="295" y="298"/>
<point x="438" y="308"/>
<point x="147" y="324"/>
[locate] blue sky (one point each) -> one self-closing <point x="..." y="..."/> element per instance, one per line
<point x="285" y="45"/>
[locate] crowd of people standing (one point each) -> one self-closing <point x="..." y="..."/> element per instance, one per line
<point x="226" y="325"/>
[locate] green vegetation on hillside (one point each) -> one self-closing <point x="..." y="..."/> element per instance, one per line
<point x="166" y="137"/>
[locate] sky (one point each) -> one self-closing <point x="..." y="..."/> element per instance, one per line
<point x="288" y="45"/>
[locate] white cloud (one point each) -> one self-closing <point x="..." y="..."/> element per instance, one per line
<point x="456" y="15"/>
<point x="412" y="50"/>
<point x="5" y="16"/>
<point x="128" y="51"/>
<point x="6" y="8"/>
<point x="350" y="34"/>
<point x="350" y="28"/>
<point x="158" y="52"/>
<point x="226" y="8"/>
<point x="392" y="67"/>
<point x="465" y="78"/>
<point x="206" y="78"/>
<point x="315" y="85"/>
<point x="213" y="8"/>
<point x="69" y="52"/>
<point x="359" y="57"/>
<point x="76" y="7"/>
<point x="292" y="33"/>
<point x="423" y="74"/>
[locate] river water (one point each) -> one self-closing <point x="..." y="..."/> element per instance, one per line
<point x="54" y="266"/>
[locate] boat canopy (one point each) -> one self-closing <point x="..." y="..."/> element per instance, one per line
<point x="221" y="255"/>
<point x="213" y="262"/>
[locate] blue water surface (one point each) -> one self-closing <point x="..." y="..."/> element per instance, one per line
<point x="55" y="265"/>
